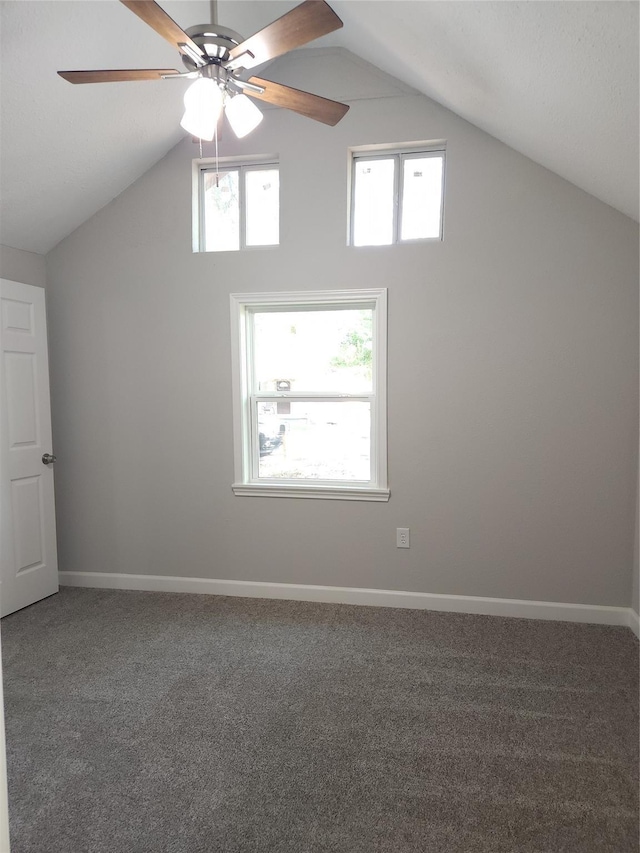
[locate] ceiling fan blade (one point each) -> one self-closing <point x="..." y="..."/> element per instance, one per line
<point x="309" y="21"/>
<point x="312" y="106"/>
<point x="157" y="18"/>
<point x="117" y="76"/>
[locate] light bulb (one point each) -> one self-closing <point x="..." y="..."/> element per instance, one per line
<point x="243" y="115"/>
<point x="203" y="104"/>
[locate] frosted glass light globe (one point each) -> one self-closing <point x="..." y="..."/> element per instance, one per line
<point x="203" y="104"/>
<point x="243" y="115"/>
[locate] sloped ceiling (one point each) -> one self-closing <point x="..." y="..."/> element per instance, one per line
<point x="558" y="81"/>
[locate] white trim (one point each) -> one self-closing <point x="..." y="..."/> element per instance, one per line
<point x="276" y="490"/>
<point x="207" y="164"/>
<point x="634" y="622"/>
<point x="229" y="162"/>
<point x="318" y="298"/>
<point x="4" y="799"/>
<point x="198" y="167"/>
<point x="518" y="608"/>
<point x="379" y="418"/>
<point x="380" y="148"/>
<point x="242" y="305"/>
<point x="399" y="154"/>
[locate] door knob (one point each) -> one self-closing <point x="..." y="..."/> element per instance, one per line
<point x="48" y="458"/>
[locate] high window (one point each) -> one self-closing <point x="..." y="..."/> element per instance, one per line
<point x="309" y="380"/>
<point x="396" y="196"/>
<point x="238" y="206"/>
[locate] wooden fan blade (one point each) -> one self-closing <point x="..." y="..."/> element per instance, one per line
<point x="157" y="18"/>
<point x="312" y="106"/>
<point x="116" y="76"/>
<point x="309" y="21"/>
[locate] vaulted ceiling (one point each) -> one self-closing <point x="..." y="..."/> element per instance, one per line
<point x="557" y="81"/>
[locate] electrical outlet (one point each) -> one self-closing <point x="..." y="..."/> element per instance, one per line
<point x="402" y="537"/>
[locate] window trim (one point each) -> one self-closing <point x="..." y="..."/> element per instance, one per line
<point x="245" y="483"/>
<point x="226" y="164"/>
<point x="400" y="154"/>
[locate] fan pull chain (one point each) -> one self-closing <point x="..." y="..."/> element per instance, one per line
<point x="215" y="136"/>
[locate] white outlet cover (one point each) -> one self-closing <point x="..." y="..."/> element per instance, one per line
<point x="402" y="537"/>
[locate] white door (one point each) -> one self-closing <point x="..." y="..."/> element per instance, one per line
<point x="28" y="558"/>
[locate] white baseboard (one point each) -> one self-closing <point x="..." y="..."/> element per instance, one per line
<point x="634" y="622"/>
<point x="521" y="609"/>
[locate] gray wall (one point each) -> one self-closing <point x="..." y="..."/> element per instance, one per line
<point x="635" y="590"/>
<point x="18" y="265"/>
<point x="635" y="587"/>
<point x="513" y="378"/>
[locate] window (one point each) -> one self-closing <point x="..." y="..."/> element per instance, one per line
<point x="309" y="381"/>
<point x="396" y="196"/>
<point x="238" y="206"/>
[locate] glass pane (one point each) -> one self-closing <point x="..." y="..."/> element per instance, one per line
<point x="421" y="197"/>
<point x="373" y="202"/>
<point x="316" y="441"/>
<point x="221" y="212"/>
<point x="317" y="350"/>
<point x="262" y="189"/>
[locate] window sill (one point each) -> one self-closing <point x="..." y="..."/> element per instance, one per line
<point x="339" y="493"/>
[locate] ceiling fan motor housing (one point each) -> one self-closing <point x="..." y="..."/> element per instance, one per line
<point x="217" y="42"/>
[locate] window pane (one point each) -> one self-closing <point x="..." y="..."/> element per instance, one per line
<point x="221" y="212"/>
<point x="316" y="441"/>
<point x="421" y="197"/>
<point x="319" y="350"/>
<point x="263" y="207"/>
<point x="373" y="202"/>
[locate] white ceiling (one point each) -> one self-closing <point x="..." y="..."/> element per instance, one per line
<point x="558" y="81"/>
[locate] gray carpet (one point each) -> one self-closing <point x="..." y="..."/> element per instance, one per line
<point x="153" y="723"/>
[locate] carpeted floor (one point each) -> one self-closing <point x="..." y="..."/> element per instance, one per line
<point x="155" y="723"/>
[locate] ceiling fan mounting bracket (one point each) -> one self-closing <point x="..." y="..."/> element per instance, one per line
<point x="215" y="41"/>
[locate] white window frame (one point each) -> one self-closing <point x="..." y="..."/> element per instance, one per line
<point x="245" y="395"/>
<point x="226" y="164"/>
<point x="400" y="155"/>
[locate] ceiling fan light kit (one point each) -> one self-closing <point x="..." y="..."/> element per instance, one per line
<point x="213" y="90"/>
<point x="242" y="114"/>
<point x="217" y="57"/>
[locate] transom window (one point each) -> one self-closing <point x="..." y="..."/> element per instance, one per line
<point x="238" y="206"/>
<point x="310" y="394"/>
<point x="396" y="196"/>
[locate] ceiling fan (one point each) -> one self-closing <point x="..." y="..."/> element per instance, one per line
<point x="217" y="57"/>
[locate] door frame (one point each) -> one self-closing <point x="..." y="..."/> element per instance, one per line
<point x="5" y="845"/>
